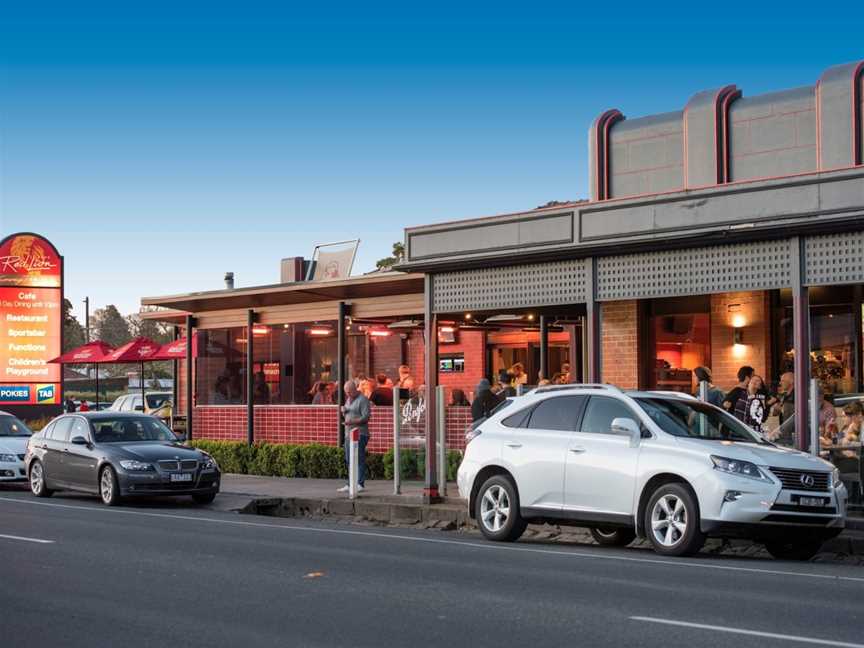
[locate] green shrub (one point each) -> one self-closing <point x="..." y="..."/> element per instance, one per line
<point x="314" y="461"/>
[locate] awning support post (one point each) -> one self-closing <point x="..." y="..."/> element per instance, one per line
<point x="800" y="341"/>
<point x="430" y="491"/>
<point x="341" y="369"/>
<point x="250" y="378"/>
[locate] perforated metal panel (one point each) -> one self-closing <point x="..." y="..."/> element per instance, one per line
<point x="834" y="259"/>
<point x="525" y="285"/>
<point x="694" y="271"/>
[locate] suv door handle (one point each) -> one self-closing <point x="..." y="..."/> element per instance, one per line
<point x="514" y="445"/>
<point x="577" y="449"/>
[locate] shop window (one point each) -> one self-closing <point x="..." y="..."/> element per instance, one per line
<point x="220" y="367"/>
<point x="682" y="342"/>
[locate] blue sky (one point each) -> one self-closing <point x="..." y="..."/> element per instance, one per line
<point x="161" y="145"/>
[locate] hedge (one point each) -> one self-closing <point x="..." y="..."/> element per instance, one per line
<point x="314" y="461"/>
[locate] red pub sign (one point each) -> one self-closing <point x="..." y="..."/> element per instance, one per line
<point x="31" y="316"/>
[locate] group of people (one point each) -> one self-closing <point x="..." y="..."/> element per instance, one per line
<point x="378" y="389"/>
<point x="751" y="403"/>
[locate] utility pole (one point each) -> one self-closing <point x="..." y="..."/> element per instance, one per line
<point x="86" y="319"/>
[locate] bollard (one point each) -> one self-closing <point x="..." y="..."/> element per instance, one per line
<point x="353" y="463"/>
<point x="814" y="417"/>
<point x="441" y="423"/>
<point x="397" y="429"/>
<point x="703" y="396"/>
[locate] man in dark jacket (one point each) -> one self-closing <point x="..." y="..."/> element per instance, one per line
<point x="484" y="401"/>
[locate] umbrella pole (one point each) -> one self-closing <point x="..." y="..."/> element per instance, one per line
<point x="96" y="366"/>
<point x="143" y="397"/>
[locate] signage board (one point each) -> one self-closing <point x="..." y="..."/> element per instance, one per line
<point x="31" y="320"/>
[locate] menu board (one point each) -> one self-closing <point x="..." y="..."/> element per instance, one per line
<point x="30" y="321"/>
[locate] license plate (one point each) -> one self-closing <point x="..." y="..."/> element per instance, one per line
<point x="811" y="501"/>
<point x="181" y="477"/>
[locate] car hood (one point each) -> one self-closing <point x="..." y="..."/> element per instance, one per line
<point x="14" y="445"/>
<point x="761" y="455"/>
<point x="155" y="451"/>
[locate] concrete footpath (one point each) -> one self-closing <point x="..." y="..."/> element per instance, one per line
<point x="377" y="505"/>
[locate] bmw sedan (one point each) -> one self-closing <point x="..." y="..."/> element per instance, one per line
<point x="116" y="455"/>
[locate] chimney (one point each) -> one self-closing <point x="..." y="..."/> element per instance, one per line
<point x="293" y="269"/>
<point x="229" y="281"/>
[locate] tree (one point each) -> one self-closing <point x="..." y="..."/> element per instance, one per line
<point x="73" y="332"/>
<point x="393" y="259"/>
<point x="111" y="327"/>
<point x="156" y="331"/>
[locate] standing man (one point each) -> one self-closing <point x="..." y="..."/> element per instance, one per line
<point x="356" y="412"/>
<point x="785" y="406"/>
<point x="69" y="406"/>
<point x="745" y="373"/>
<point x="715" y="394"/>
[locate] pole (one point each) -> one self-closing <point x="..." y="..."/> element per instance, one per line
<point x="800" y="340"/>
<point x="250" y="385"/>
<point x="397" y="429"/>
<point x="87" y="319"/>
<point x="814" y="417"/>
<point x="341" y="323"/>
<point x="441" y="420"/>
<point x="143" y="395"/>
<point x="175" y="387"/>
<point x="544" y="348"/>
<point x="592" y="321"/>
<point x="430" y="490"/>
<point x="703" y="396"/>
<point x="96" y="367"/>
<point x="189" y="393"/>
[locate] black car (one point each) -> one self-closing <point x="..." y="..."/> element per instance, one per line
<point x="117" y="455"/>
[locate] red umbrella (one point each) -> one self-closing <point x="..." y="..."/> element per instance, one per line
<point x="139" y="350"/>
<point x="91" y="352"/>
<point x="175" y="350"/>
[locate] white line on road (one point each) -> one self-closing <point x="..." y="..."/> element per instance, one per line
<point x="752" y="633"/>
<point x="490" y="546"/>
<point x="23" y="539"/>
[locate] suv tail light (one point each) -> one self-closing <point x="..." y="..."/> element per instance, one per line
<point x="472" y="434"/>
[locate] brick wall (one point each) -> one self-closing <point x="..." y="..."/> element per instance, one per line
<point x="472" y="344"/>
<point x="619" y="328"/>
<point x="297" y="424"/>
<point x="752" y="309"/>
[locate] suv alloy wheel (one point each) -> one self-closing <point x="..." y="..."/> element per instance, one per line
<point x="672" y="521"/>
<point x="497" y="510"/>
<point x="611" y="537"/>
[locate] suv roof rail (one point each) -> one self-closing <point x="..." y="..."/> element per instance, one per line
<point x="552" y="388"/>
<point x="669" y="392"/>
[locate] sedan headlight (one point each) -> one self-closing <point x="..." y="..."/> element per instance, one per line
<point x="8" y="458"/>
<point x="136" y="466"/>
<point x="739" y="468"/>
<point x="209" y="463"/>
<point x="835" y="478"/>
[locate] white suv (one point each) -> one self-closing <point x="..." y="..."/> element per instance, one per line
<point x="650" y="464"/>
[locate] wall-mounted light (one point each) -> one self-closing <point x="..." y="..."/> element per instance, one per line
<point x="379" y="332"/>
<point x="738" y="336"/>
<point x="320" y="330"/>
<point x="467" y="316"/>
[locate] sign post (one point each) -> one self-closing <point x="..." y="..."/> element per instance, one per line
<point x="31" y="300"/>
<point x="353" y="463"/>
<point x="397" y="428"/>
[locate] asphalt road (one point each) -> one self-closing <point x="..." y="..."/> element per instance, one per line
<point x="75" y="573"/>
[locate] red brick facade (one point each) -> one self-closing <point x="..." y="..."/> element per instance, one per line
<point x="298" y="424"/>
<point x="619" y="327"/>
<point x="751" y="312"/>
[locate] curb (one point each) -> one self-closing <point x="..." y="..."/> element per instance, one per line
<point x="452" y="517"/>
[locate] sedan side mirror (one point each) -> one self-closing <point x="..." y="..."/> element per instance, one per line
<point x="79" y="440"/>
<point x="627" y="427"/>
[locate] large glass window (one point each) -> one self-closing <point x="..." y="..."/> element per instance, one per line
<point x="291" y="363"/>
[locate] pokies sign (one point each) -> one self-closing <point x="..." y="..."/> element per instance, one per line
<point x="31" y="276"/>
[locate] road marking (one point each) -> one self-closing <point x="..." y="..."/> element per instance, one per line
<point x="488" y="546"/>
<point x="752" y="633"/>
<point x="23" y="539"/>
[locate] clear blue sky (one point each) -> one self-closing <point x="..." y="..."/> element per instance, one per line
<point x="161" y="144"/>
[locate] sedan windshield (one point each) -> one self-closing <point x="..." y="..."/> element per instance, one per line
<point x="128" y="429"/>
<point x="10" y="426"/>
<point x="696" y="420"/>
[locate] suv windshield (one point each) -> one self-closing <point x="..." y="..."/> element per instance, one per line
<point x="126" y="429"/>
<point x="155" y="401"/>
<point x="696" y="420"/>
<point x="10" y="426"/>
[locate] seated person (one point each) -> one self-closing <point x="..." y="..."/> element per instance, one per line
<point x="851" y="432"/>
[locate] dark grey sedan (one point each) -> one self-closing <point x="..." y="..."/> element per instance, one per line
<point x="117" y="455"/>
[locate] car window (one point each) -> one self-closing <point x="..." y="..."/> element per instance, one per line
<point x="557" y="413"/>
<point x="80" y="428"/>
<point x="128" y="429"/>
<point x="12" y="426"/>
<point x="45" y="432"/>
<point x="600" y="413"/>
<point x="155" y="401"/>
<point x="118" y="403"/>
<point x="61" y="429"/>
<point x="519" y="419"/>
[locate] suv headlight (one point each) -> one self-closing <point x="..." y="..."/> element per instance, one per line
<point x="9" y="458"/>
<point x="739" y="468"/>
<point x="136" y="466"/>
<point x="835" y="478"/>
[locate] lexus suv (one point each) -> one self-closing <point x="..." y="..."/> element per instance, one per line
<point x="656" y="465"/>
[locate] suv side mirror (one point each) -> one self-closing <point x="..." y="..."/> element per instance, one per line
<point x="79" y="440"/>
<point x="627" y="427"/>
